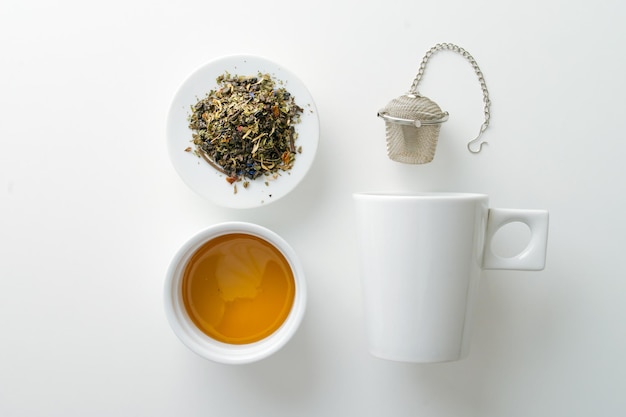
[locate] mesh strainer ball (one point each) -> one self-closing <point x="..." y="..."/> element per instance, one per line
<point x="413" y="121"/>
<point x="412" y="124"/>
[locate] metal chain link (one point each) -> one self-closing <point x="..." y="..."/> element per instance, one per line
<point x="481" y="79"/>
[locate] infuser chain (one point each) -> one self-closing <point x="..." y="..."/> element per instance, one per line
<point x="481" y="80"/>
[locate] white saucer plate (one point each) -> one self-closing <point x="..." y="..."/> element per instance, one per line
<point x="208" y="181"/>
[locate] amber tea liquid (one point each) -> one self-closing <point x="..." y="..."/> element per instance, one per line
<point x="238" y="288"/>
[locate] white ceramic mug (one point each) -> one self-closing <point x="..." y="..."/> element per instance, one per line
<point x="200" y="342"/>
<point x="421" y="257"/>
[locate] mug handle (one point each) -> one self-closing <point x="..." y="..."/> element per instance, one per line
<point x="533" y="257"/>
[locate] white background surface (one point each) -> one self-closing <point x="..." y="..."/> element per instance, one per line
<point x="91" y="210"/>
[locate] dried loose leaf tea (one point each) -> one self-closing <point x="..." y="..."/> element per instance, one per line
<point x="245" y="127"/>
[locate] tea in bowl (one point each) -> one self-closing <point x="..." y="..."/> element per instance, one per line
<point x="235" y="293"/>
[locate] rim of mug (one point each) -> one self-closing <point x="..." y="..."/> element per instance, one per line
<point x="434" y="195"/>
<point x="207" y="347"/>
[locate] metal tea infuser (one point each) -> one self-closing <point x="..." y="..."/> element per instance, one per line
<point x="413" y="121"/>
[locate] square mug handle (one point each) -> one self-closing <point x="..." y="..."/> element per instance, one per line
<point x="533" y="257"/>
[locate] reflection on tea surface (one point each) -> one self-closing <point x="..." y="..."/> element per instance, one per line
<point x="238" y="288"/>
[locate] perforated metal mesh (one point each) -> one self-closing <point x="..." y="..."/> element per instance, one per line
<point x="407" y="143"/>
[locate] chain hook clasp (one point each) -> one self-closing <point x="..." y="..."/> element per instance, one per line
<point x="477" y="139"/>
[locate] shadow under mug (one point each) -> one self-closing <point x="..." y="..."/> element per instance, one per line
<point x="421" y="257"/>
<point x="246" y="260"/>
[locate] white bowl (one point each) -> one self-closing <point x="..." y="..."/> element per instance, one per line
<point x="208" y="181"/>
<point x="205" y="346"/>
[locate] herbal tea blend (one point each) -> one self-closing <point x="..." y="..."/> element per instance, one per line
<point x="245" y="127"/>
